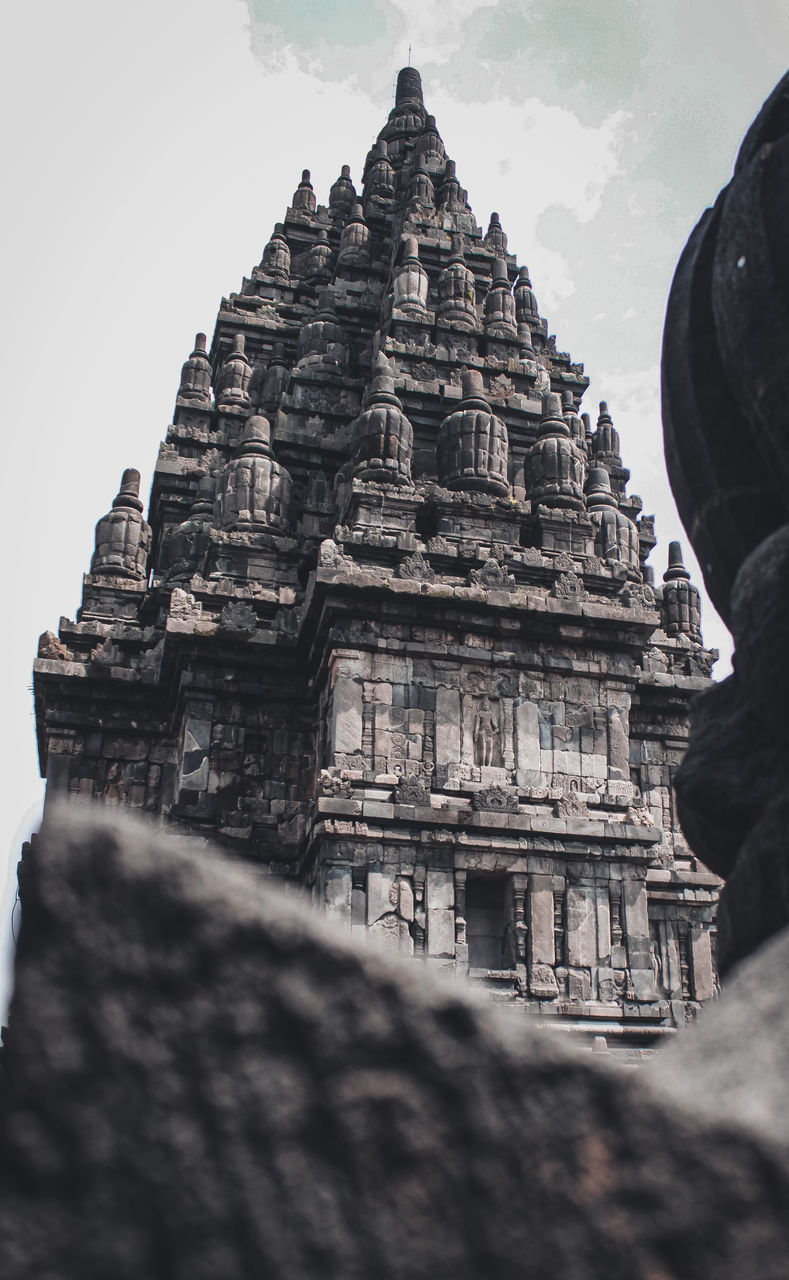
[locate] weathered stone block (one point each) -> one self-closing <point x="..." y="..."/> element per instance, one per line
<point x="346" y="721"/>
<point x="703" y="984"/>
<point x="541" y="920"/>
<point x="581" y="926"/>
<point x="440" y="931"/>
<point x="634" y="903"/>
<point x="447" y="726"/>
<point x="337" y="893"/>
<point x="440" y="888"/>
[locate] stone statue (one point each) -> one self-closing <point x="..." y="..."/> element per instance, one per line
<point x="486" y="732"/>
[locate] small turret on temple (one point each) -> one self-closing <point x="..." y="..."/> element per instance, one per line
<point x="253" y="489"/>
<point x="457" y="292"/>
<point x="472" y="443"/>
<point x="342" y="196"/>
<point x="681" y="600"/>
<point x="384" y="434"/>
<point x="122" y="536"/>
<point x="304" y="197"/>
<point x="556" y="466"/>
<point x="389" y="631"/>
<point x="195" y="387"/>
<point x="233" y="386"/>
<point x="275" y="262"/>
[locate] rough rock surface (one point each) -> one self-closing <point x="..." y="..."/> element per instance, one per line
<point x="731" y="787"/>
<point x="204" y="1079"/>
<point x="733" y="1063"/>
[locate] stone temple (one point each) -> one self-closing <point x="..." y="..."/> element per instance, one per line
<point x="388" y="631"/>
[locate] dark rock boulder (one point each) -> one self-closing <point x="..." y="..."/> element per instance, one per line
<point x="205" y="1079"/>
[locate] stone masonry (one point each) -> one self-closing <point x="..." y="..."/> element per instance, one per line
<point x="388" y="631"/>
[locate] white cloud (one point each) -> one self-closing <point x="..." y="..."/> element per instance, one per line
<point x="435" y="30"/>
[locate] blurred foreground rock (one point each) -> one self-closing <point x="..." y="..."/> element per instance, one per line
<point x="725" y="376"/>
<point x="204" y="1079"/>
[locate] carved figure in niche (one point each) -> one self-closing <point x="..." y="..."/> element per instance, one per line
<point x="486" y="735"/>
<point x="392" y="930"/>
<point x="656" y="959"/>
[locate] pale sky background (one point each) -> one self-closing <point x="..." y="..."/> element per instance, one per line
<point x="148" y="149"/>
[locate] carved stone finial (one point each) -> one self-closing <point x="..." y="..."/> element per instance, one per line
<point x="681" y="609"/>
<point x="616" y="537"/>
<point x="430" y="146"/>
<point x="495" y="238"/>
<point x="457" y="292"/>
<point x="451" y="196"/>
<point x="322" y="340"/>
<point x="355" y="240"/>
<point x="676" y="566"/>
<point x="605" y="442"/>
<point x="342" y="195"/>
<point x="575" y="424"/>
<point x="555" y="466"/>
<point x="253" y="489"/>
<point x="380" y="180"/>
<point x="410" y="281"/>
<point x="275" y="379"/>
<point x="318" y="267"/>
<point x="384" y="436"/>
<point x="527" y="315"/>
<point x="304" y="195"/>
<point x="276" y="256"/>
<point x="123" y="538"/>
<point x="421" y="192"/>
<point x="232" y="392"/>
<point x="195" y="385"/>
<point x="473" y="447"/>
<point x="500" y="305"/>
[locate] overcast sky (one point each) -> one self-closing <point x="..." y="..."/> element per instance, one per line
<point x="148" y="148"/>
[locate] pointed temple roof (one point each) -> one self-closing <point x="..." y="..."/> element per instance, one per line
<point x="389" y="625"/>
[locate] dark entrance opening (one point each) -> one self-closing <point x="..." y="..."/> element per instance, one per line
<point x="485" y="921"/>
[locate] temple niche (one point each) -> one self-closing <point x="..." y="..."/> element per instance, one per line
<point x="389" y="630"/>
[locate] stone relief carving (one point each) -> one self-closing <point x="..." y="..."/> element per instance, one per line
<point x="569" y="586"/>
<point x="392" y="929"/>
<point x="543" y="984"/>
<point x="417" y="567"/>
<point x="572" y="805"/>
<point x="333" y="783"/>
<point x="487" y="749"/>
<point x="491" y="575"/>
<point x="639" y="816"/>
<point x="184" y="605"/>
<point x="331" y="556"/>
<point x="50" y="647"/>
<point x="412" y="789"/>
<point x="495" y="799"/>
<point x="531" y="556"/>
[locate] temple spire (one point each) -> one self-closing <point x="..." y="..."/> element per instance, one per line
<point x="409" y="87"/>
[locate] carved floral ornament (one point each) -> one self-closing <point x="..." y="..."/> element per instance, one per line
<point x="417" y="567"/>
<point x="495" y="799"/>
